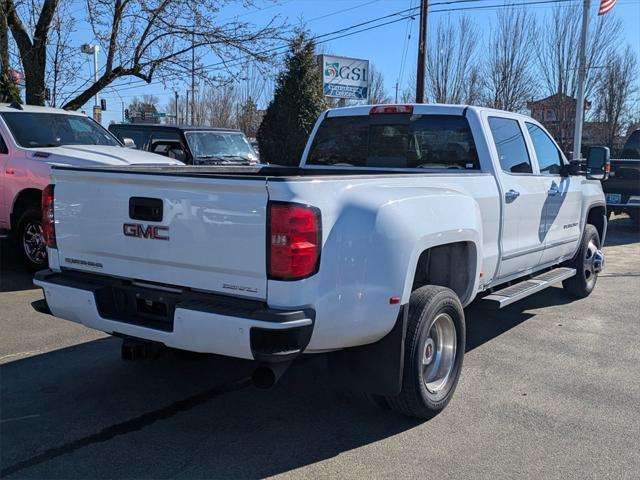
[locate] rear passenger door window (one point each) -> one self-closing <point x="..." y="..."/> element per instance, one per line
<point x="3" y="146"/>
<point x="549" y="157"/>
<point x="510" y="144"/>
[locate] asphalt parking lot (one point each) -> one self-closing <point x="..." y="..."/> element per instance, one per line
<point x="550" y="389"/>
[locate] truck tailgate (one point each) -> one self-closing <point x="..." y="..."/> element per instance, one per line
<point x="186" y="231"/>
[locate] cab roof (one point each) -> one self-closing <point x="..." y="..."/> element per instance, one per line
<point x="13" y="108"/>
<point x="421" y="108"/>
<point x="173" y="127"/>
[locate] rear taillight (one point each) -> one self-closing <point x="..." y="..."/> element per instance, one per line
<point x="294" y="241"/>
<point x="48" y="224"/>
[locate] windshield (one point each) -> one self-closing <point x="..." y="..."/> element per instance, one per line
<point x="395" y="141"/>
<point x="221" y="146"/>
<point x="37" y="130"/>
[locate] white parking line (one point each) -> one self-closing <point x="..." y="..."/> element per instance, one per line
<point x="25" y="417"/>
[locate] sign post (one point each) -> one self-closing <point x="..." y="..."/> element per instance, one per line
<point x="346" y="78"/>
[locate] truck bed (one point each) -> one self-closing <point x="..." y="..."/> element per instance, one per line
<point x="263" y="172"/>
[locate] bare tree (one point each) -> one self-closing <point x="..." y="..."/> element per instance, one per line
<point x="32" y="48"/>
<point x="451" y="62"/>
<point x="213" y="106"/>
<point x="4" y="42"/>
<point x="146" y="39"/>
<point x="557" y="61"/>
<point x="377" y="91"/>
<point x="615" y="89"/>
<point x="509" y="81"/>
<point x="251" y="91"/>
<point x="63" y="61"/>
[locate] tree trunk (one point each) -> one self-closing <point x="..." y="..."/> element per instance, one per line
<point x="4" y="43"/>
<point x="34" y="63"/>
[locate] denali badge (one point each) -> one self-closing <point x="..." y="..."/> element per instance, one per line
<point x="239" y="288"/>
<point x="153" y="232"/>
<point x="86" y="263"/>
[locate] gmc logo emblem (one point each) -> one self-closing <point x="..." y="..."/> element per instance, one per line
<point x="152" y="232"/>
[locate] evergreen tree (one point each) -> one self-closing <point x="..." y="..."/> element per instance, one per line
<point x="297" y="102"/>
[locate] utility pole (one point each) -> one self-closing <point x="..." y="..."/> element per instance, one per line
<point x="582" y="73"/>
<point x="422" y="51"/>
<point x="176" y="97"/>
<point x="186" y="109"/>
<point x="396" y="92"/>
<point x="193" y="80"/>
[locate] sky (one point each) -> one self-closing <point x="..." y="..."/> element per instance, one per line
<point x="383" y="46"/>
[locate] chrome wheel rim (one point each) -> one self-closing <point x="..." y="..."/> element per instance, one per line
<point x="592" y="263"/>
<point x="33" y="243"/>
<point x="439" y="354"/>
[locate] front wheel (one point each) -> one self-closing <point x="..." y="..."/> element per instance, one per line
<point x="588" y="263"/>
<point x="434" y="350"/>
<point x="30" y="239"/>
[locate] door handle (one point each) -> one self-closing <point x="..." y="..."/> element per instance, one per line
<point x="511" y="195"/>
<point x="553" y="191"/>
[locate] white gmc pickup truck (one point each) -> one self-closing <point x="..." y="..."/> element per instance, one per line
<point x="396" y="219"/>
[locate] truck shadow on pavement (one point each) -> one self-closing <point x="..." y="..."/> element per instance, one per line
<point x="622" y="230"/>
<point x="13" y="274"/>
<point x="82" y="412"/>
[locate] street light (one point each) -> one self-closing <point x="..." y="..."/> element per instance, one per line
<point x="89" y="49"/>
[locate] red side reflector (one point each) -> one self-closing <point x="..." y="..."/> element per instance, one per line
<point x="391" y="109"/>
<point x="48" y="220"/>
<point x="294" y="241"/>
<point x="394" y="300"/>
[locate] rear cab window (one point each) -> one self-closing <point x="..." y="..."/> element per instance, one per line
<point x="138" y="135"/>
<point x="396" y="140"/>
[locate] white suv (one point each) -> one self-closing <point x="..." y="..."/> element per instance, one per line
<point x="31" y="140"/>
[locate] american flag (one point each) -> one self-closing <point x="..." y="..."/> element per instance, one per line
<point x="606" y="6"/>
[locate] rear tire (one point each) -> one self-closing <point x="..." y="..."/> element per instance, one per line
<point x="434" y="351"/>
<point x="582" y="284"/>
<point x="30" y="240"/>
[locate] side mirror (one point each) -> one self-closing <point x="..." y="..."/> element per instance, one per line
<point x="598" y="163"/>
<point x="129" y="143"/>
<point x="574" y="167"/>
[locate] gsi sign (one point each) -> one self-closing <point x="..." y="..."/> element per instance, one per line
<point x="344" y="77"/>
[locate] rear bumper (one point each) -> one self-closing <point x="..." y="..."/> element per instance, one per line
<point x="627" y="202"/>
<point x="181" y="319"/>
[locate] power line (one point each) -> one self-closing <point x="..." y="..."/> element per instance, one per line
<point x="404" y="14"/>
<point x="246" y="58"/>
<point x="405" y="48"/>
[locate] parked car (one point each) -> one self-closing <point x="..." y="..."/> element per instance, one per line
<point x="396" y="219"/>
<point x="193" y="145"/>
<point x="623" y="189"/>
<point x="31" y="140"/>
